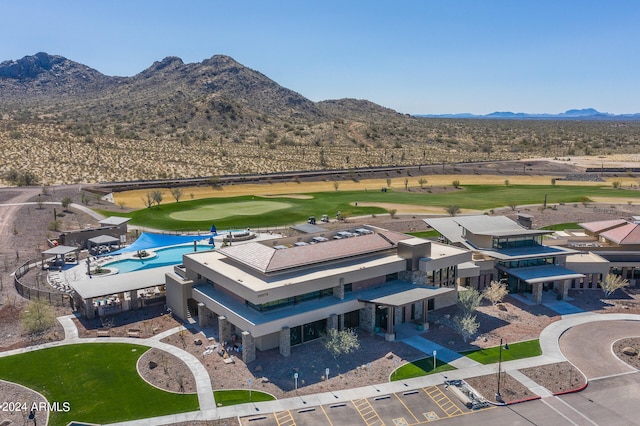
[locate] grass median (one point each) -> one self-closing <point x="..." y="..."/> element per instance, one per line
<point x="511" y="352"/>
<point x="99" y="381"/>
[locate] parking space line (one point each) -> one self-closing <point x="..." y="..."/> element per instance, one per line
<point x="284" y="418"/>
<point x="443" y="401"/>
<point x="326" y="415"/>
<point x="405" y="406"/>
<point x="367" y="412"/>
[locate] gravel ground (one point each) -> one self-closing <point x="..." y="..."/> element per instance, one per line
<point x="26" y="232"/>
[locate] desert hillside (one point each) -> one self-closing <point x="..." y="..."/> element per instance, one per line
<point x="63" y="122"/>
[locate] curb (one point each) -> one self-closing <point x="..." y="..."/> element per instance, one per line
<point x="519" y="401"/>
<point x="578" y="389"/>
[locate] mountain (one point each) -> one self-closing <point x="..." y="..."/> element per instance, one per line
<point x="62" y="122"/>
<point x="572" y="114"/>
<point x="43" y="75"/>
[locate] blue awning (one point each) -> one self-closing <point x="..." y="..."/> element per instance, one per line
<point x="148" y="240"/>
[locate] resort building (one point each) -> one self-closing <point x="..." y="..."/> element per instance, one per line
<point x="283" y="292"/>
<point x="505" y="251"/>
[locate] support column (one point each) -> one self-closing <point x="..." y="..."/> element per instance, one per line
<point x="425" y="314"/>
<point x="338" y="291"/>
<point x="285" y="341"/>
<point x="135" y="300"/>
<point x="203" y="315"/>
<point x="536" y="291"/>
<point x="224" y="329"/>
<point x="368" y="317"/>
<point x="248" y="347"/>
<point x="89" y="309"/>
<point x="564" y="289"/>
<point x="390" y="336"/>
<point x="332" y="322"/>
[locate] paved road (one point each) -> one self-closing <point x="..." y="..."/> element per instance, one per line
<point x="589" y="347"/>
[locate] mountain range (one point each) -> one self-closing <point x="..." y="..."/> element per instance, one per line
<point x="572" y="114"/>
<point x="66" y="122"/>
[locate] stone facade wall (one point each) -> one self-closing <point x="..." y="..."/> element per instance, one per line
<point x="224" y="329"/>
<point x="248" y="347"/>
<point x="285" y="342"/>
<point x="367" y="317"/>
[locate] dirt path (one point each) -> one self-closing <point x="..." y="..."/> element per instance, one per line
<point x="9" y="206"/>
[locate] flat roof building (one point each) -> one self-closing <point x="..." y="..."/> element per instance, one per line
<point x="280" y="293"/>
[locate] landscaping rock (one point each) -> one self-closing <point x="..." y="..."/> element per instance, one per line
<point x="628" y="350"/>
<point x="197" y="342"/>
<point x="152" y="365"/>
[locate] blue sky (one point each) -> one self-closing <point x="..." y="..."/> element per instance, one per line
<point x="417" y="56"/>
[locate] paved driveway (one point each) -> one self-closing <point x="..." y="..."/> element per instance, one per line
<point x="589" y="347"/>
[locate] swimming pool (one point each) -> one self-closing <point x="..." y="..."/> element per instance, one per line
<point x="164" y="257"/>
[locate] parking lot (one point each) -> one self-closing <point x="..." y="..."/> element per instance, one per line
<point x="407" y="408"/>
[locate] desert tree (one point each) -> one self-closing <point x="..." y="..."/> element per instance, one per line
<point x="406" y="184"/>
<point x="341" y="342"/>
<point x="453" y="210"/>
<point x="506" y="183"/>
<point x="176" y="193"/>
<point x="392" y="213"/>
<point x="513" y="205"/>
<point x="585" y="200"/>
<point x="466" y="325"/>
<point x="148" y="201"/>
<point x="388" y="182"/>
<point x="422" y="182"/>
<point x="611" y="283"/>
<point x="616" y="184"/>
<point x="469" y="300"/>
<point x="66" y="202"/>
<point x="157" y="196"/>
<point x="336" y="185"/>
<point x="38" y="317"/>
<point x="496" y="291"/>
<point x="456" y="183"/>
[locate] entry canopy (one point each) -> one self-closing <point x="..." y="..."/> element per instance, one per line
<point x="148" y="240"/>
<point x="408" y="296"/>
<point x="59" y="251"/>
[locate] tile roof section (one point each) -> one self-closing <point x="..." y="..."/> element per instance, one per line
<point x="266" y="259"/>
<point x="626" y="234"/>
<point x="602" y="225"/>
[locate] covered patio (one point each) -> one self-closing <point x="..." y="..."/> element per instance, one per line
<point x="116" y="293"/>
<point x="548" y="277"/>
<point x="391" y="309"/>
<point x="95" y="244"/>
<point x="59" y="256"/>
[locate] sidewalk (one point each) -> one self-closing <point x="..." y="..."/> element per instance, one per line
<point x="549" y="342"/>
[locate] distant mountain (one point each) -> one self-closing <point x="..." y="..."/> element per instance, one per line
<point x="572" y="114"/>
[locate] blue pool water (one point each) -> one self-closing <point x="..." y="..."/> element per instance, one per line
<point x="165" y="257"/>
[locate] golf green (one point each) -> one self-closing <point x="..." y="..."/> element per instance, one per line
<point x="221" y="211"/>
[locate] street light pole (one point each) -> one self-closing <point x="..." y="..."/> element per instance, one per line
<point x="506" y="346"/>
<point x="434" y="359"/>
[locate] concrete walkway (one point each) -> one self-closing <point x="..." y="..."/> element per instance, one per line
<point x="549" y="342"/>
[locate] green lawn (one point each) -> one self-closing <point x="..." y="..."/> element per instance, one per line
<point x="233" y="397"/>
<point x="562" y="226"/>
<point x="425" y="234"/>
<point x="519" y="350"/>
<point x="421" y="367"/>
<point x="242" y="212"/>
<point x="99" y="381"/>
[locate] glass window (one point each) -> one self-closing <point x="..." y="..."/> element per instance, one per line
<point x="295" y="336"/>
<point x="314" y="330"/>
